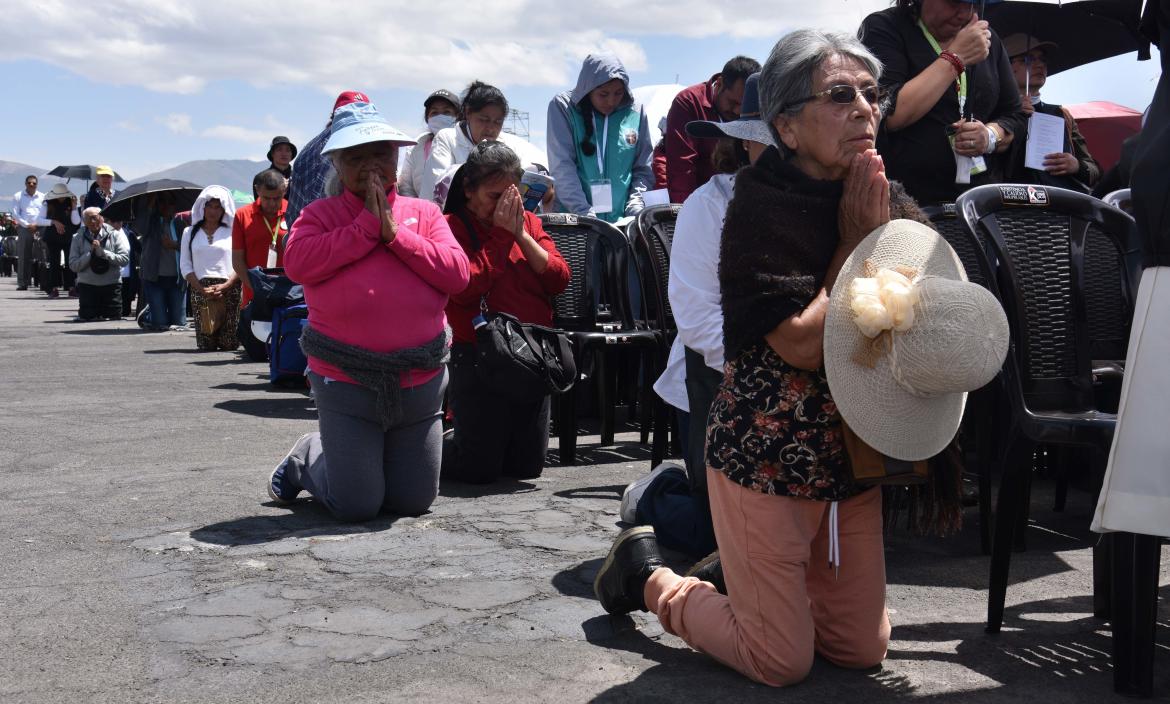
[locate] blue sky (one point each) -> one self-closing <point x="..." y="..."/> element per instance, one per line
<point x="162" y="84"/>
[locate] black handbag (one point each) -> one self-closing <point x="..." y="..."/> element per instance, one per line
<point x="523" y="361"/>
<point x="271" y="289"/>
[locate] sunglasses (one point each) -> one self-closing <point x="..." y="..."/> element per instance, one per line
<point x="844" y="95"/>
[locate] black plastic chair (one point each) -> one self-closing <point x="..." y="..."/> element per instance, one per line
<point x="1120" y="199"/>
<point x="595" y="312"/>
<point x="1041" y="240"/>
<point x="651" y="235"/>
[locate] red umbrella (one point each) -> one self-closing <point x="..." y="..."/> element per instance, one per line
<point x="1105" y="126"/>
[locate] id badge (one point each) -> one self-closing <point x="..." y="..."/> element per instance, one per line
<point x="602" y="196"/>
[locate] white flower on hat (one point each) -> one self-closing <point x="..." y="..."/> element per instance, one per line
<point x="884" y="302"/>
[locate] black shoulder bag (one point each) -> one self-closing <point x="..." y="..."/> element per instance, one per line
<point x="523" y="361"/>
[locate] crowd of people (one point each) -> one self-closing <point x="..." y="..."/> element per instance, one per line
<point x="801" y="183"/>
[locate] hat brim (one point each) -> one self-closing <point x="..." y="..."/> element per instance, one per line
<point x="364" y="133"/>
<point x="1048" y="47"/>
<point x="886" y="416"/>
<point x="274" y="146"/>
<point x="752" y="130"/>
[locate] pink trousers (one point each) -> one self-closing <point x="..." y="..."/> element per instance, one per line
<point x="784" y="599"/>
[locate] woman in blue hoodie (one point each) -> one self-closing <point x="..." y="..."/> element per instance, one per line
<point x="599" y="147"/>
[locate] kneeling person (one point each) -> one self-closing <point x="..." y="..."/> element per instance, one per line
<point x="515" y="269"/>
<point x="98" y="253"/>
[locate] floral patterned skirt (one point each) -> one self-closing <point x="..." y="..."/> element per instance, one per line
<point x="225" y="337"/>
<point x="774" y="428"/>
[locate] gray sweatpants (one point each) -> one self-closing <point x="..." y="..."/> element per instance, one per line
<point x="354" y="468"/>
<point x="24" y="255"/>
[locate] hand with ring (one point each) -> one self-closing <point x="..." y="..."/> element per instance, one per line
<point x="970" y="137"/>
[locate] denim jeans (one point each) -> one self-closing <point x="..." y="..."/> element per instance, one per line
<point x="167" y="299"/>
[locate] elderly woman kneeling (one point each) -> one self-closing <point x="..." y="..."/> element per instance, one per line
<point x="377" y="269"/>
<point x="783" y="502"/>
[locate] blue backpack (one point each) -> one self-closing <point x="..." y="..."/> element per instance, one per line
<point x="286" y="361"/>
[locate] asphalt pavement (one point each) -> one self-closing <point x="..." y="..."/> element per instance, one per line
<point x="140" y="561"/>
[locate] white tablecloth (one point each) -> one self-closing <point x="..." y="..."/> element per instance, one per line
<point x="1136" y="494"/>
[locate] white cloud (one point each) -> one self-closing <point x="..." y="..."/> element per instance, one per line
<point x="176" y="122"/>
<point x="128" y="125"/>
<point x="169" y="46"/>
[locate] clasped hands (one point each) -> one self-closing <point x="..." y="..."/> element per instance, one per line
<point x="376" y="204"/>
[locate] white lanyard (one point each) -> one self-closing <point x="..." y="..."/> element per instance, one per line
<point x="601" y="146"/>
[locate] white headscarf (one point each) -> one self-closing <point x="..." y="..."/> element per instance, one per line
<point x="224" y="196"/>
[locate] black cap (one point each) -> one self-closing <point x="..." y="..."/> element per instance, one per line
<point x="442" y="94"/>
<point x="277" y="141"/>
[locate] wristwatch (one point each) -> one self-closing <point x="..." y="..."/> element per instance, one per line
<point x="991" y="141"/>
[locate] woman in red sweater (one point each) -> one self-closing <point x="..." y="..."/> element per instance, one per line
<point x="516" y="269"/>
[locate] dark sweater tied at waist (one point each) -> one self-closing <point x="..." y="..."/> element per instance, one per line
<point x="380" y="372"/>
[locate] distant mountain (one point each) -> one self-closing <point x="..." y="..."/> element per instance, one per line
<point x="12" y="175"/>
<point x="232" y="173"/>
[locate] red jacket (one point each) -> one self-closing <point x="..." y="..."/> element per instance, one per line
<point x="688" y="159"/>
<point x="499" y="270"/>
<point x="659" y="163"/>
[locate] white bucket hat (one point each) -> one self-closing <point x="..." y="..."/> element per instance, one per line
<point x="359" y="123"/>
<point x="59" y="190"/>
<point x="906" y="337"/>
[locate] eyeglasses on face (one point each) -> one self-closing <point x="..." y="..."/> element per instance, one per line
<point x="844" y="94"/>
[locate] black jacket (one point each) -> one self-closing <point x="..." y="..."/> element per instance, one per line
<point x="1074" y="143"/>
<point x="1151" y="166"/>
<point x="920" y="155"/>
<point x="779" y="235"/>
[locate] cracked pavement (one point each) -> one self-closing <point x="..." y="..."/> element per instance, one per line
<point x="143" y="563"/>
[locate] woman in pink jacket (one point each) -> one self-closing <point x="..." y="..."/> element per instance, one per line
<point x="377" y="269"/>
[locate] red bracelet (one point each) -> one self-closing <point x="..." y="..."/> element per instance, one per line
<point x="953" y="59"/>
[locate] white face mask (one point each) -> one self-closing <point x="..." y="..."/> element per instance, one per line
<point x="438" y="122"/>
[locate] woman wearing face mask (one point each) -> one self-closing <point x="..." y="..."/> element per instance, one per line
<point x="440" y="111"/>
<point x="481" y="117"/>
<point x="599" y="143"/>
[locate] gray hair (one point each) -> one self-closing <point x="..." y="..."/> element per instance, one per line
<point x="333" y="184"/>
<point x="92" y="210"/>
<point x="787" y="76"/>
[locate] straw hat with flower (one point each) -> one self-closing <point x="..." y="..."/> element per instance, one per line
<point x="906" y="337"/>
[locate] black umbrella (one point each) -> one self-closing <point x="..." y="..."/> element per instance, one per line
<point x="1086" y="31"/>
<point x="85" y="171"/>
<point x="123" y="205"/>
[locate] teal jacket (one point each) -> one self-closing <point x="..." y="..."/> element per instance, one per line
<point x="627" y="150"/>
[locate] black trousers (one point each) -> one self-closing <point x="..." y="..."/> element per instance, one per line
<point x="56" y="247"/>
<point x="94" y="302"/>
<point x="702" y="385"/>
<point x="129" y="293"/>
<point x="494" y="435"/>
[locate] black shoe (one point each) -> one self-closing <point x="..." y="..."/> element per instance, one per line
<point x="709" y="569"/>
<point x="621" y="581"/>
<point x="22" y="288"/>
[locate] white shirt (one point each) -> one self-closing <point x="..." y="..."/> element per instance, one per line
<point x="410" y="176"/>
<point x="213" y="259"/>
<point x="694" y="286"/>
<point x="451" y="147"/>
<point x="27" y="209"/>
